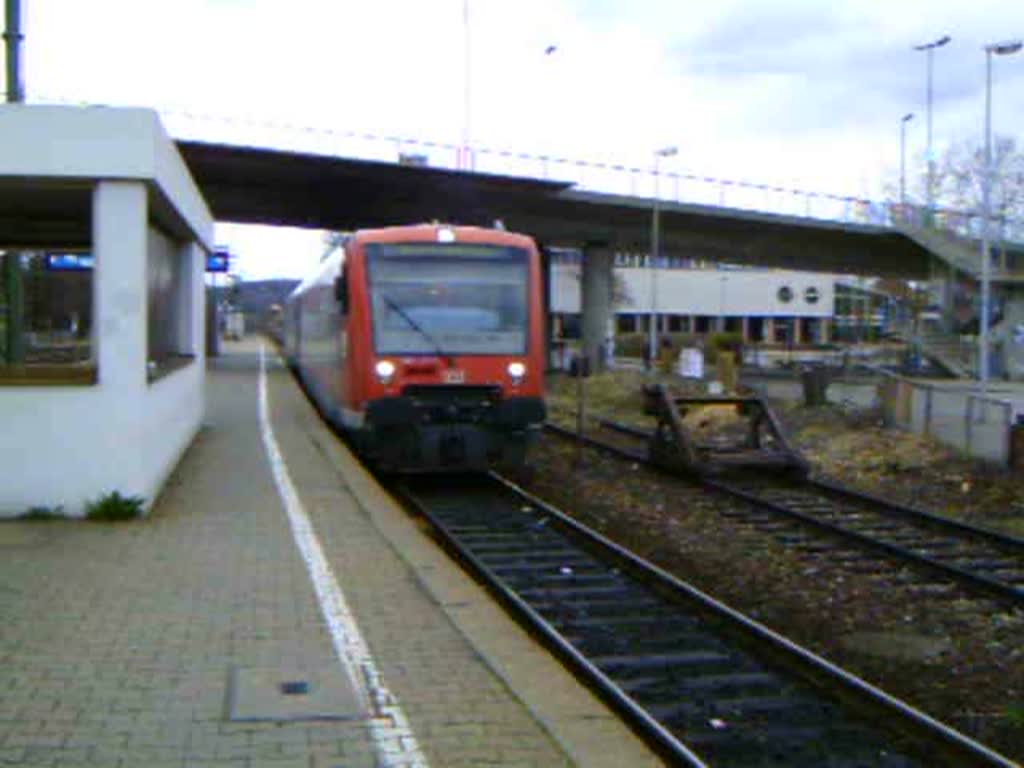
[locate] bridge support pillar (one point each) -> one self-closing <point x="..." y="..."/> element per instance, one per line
<point x="596" y="302"/>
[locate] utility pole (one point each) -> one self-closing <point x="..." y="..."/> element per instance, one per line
<point x="652" y="339"/>
<point x="1000" y="49"/>
<point x="13" y="37"/>
<point x="465" y="162"/>
<point x="903" y="163"/>
<point x="929" y="49"/>
<point x="12" y="260"/>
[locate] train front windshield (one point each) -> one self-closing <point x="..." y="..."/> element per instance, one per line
<point x="448" y="299"/>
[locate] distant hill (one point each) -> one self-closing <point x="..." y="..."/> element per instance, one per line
<point x="256" y="297"/>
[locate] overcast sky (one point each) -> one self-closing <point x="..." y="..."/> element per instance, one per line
<point x="802" y="94"/>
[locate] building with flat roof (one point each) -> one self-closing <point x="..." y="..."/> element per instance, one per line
<point x="690" y="296"/>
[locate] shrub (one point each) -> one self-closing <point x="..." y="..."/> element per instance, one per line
<point x="114" y="506"/>
<point x="43" y="513"/>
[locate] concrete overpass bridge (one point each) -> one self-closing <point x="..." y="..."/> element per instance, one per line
<point x="701" y="218"/>
<point x="266" y="186"/>
<point x="834" y="233"/>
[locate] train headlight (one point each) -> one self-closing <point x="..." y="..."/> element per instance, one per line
<point x="517" y="371"/>
<point x="385" y="371"/>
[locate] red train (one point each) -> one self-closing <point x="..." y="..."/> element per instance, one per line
<point x="425" y="344"/>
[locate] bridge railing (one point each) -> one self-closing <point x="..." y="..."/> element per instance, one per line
<point x="589" y="175"/>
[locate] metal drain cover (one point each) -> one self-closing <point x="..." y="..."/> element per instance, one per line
<point x="285" y="694"/>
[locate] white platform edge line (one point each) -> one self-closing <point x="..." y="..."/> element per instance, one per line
<point x="392" y="734"/>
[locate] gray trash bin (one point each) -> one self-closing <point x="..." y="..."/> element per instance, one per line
<point x="815" y="381"/>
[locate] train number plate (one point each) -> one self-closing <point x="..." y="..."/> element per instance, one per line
<point x="454" y="376"/>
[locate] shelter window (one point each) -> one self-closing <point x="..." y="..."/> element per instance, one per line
<point x="169" y="333"/>
<point x="46" y="317"/>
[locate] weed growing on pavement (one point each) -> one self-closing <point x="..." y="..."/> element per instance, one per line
<point x="113" y="507"/>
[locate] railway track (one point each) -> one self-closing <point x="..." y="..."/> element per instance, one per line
<point x="978" y="560"/>
<point x="704" y="684"/>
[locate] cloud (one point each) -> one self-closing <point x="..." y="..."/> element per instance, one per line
<point x="794" y="92"/>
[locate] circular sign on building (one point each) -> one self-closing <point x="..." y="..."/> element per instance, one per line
<point x="785" y="294"/>
<point x="811" y="295"/>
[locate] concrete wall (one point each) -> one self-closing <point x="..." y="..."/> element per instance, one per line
<point x="63" y="446"/>
<point x="704" y="292"/>
<point x="77" y="143"/>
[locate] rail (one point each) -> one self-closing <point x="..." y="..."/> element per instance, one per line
<point x="978" y="559"/>
<point x="710" y="686"/>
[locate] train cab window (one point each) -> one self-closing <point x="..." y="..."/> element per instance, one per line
<point x="465" y="299"/>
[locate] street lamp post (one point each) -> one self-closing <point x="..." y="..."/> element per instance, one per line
<point x="464" y="162"/>
<point x="653" y="330"/>
<point x="10" y="264"/>
<point x="903" y="161"/>
<point x="13" y="37"/>
<point x="1000" y="49"/>
<point x="930" y="48"/>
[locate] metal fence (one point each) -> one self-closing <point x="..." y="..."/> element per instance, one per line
<point x="975" y="424"/>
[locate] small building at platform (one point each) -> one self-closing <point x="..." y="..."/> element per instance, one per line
<point x="104" y="237"/>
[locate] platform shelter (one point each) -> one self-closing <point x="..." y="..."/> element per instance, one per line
<point x="103" y="244"/>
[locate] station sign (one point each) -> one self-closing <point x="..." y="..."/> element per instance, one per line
<point x="69" y="262"/>
<point x="218" y="261"/>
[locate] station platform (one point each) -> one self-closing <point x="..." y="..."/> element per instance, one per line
<point x="210" y="634"/>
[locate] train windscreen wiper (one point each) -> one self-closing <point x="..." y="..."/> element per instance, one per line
<point x="417" y="327"/>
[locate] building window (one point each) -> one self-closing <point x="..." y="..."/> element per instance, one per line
<point x="626" y="323"/>
<point x="811" y="295"/>
<point x="46" y="316"/>
<point x="785" y="294"/>
<point x="571" y="326"/>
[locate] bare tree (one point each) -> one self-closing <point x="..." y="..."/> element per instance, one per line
<point x="959" y="175"/>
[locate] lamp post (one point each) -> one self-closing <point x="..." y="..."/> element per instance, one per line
<point x="464" y="162"/>
<point x="653" y="330"/>
<point x="929" y="48"/>
<point x="1000" y="49"/>
<point x="10" y="264"/>
<point x="13" y="38"/>
<point x="903" y="161"/>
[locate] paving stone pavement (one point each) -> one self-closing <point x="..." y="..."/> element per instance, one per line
<point x="117" y="640"/>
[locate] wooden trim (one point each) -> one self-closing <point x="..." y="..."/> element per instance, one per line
<point x="48" y="375"/>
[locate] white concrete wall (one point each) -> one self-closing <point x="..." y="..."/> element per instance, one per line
<point x="101" y="143"/>
<point x="62" y="446"/>
<point x="705" y="292"/>
<point x="65" y="446"/>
